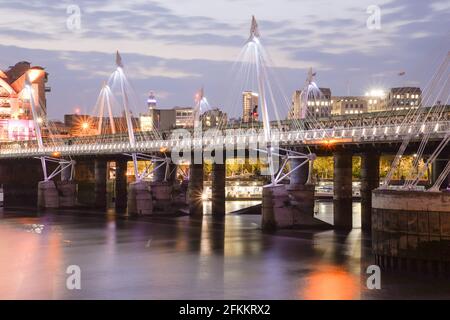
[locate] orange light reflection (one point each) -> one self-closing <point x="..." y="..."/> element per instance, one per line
<point x="331" y="283"/>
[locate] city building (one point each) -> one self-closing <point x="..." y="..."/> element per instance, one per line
<point x="180" y="117"/>
<point x="317" y="107"/>
<point x="58" y="128"/>
<point x="167" y="119"/>
<point x="376" y="100"/>
<point x="341" y="105"/>
<point x="214" y="118"/>
<point x="84" y="125"/>
<point x="147" y="120"/>
<point x="184" y="117"/>
<point x="295" y="110"/>
<point x="15" y="107"/>
<point x="404" y="98"/>
<point x="15" y="101"/>
<point x="249" y="107"/>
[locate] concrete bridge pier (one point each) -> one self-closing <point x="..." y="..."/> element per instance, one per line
<point x="48" y="196"/>
<point x="342" y="197"/>
<point x="67" y="189"/>
<point x="57" y="194"/>
<point x="195" y="189"/>
<point x="121" y="186"/>
<point x="291" y="205"/>
<point x="274" y="211"/>
<point x="100" y="183"/>
<point x="48" y="192"/>
<point x="162" y="189"/>
<point x="139" y="200"/>
<point x="299" y="176"/>
<point x="301" y="194"/>
<point x="179" y="191"/>
<point x="370" y="180"/>
<point x="19" y="180"/>
<point x="410" y="230"/>
<point x="218" y="189"/>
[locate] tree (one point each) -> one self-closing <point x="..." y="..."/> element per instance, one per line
<point x="323" y="167"/>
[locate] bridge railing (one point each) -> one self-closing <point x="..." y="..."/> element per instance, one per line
<point x="119" y="143"/>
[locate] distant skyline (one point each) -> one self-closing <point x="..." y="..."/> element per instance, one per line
<point x="173" y="48"/>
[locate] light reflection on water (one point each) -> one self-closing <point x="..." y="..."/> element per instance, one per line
<point x="324" y="211"/>
<point x="190" y="258"/>
<point x="328" y="282"/>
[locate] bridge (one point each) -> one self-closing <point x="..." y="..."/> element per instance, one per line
<point x="288" y="149"/>
<point x="361" y="129"/>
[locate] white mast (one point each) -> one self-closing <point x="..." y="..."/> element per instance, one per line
<point x="37" y="126"/>
<point x="127" y="112"/>
<point x="254" y="41"/>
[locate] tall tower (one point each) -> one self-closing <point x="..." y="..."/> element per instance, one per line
<point x="249" y="107"/>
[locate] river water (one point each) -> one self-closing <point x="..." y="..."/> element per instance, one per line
<point x="188" y="258"/>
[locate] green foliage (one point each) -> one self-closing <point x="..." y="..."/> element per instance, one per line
<point x="323" y="167"/>
<point x="404" y="170"/>
<point x="240" y="167"/>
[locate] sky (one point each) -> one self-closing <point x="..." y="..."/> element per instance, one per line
<point x="174" y="47"/>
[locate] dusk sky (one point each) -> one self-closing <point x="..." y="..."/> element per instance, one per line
<point x="175" y="47"/>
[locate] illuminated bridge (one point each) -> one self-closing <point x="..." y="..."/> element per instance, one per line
<point x="66" y="168"/>
<point x="366" y="128"/>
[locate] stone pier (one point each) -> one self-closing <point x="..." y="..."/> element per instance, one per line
<point x="291" y="205"/>
<point x="370" y="180"/>
<point x="48" y="196"/>
<point x="100" y="183"/>
<point x="273" y="208"/>
<point x="301" y="194"/>
<point x="67" y="189"/>
<point x="48" y="193"/>
<point x="57" y="193"/>
<point x="20" y="179"/>
<point x="139" y="199"/>
<point x="342" y="197"/>
<point x="162" y="188"/>
<point x="218" y="189"/>
<point x="85" y="180"/>
<point x="299" y="176"/>
<point x="411" y="230"/>
<point x="195" y="189"/>
<point x="121" y="186"/>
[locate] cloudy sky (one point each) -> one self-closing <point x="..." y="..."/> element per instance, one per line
<point x="174" y="47"/>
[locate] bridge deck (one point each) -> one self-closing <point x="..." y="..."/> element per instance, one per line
<point x="231" y="138"/>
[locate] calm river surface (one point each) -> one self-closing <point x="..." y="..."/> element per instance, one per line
<point x="187" y="258"/>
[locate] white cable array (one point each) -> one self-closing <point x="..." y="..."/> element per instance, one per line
<point x="412" y="127"/>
